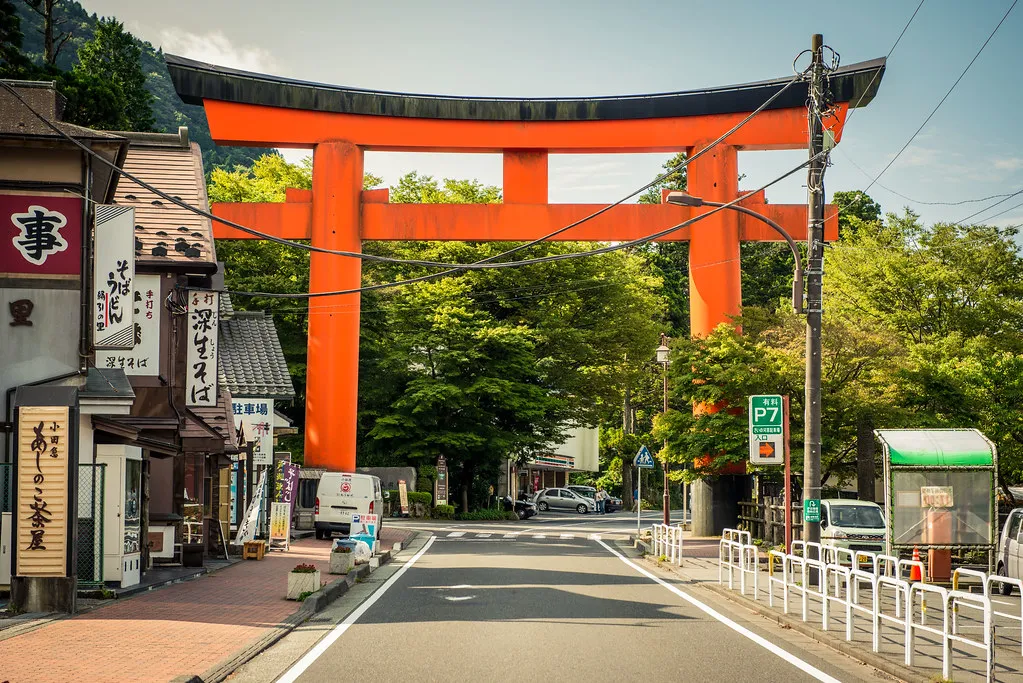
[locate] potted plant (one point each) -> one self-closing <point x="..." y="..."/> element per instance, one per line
<point x="342" y="559"/>
<point x="304" y="578"/>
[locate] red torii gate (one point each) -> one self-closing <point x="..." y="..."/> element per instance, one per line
<point x="338" y="124"/>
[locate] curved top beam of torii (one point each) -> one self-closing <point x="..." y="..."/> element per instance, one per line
<point x="246" y="108"/>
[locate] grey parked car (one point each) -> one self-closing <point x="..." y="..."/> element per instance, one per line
<point x="564" y="499"/>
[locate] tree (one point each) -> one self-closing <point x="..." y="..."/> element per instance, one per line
<point x="413" y="188"/>
<point x="854" y="209"/>
<point x="114" y="57"/>
<point x="670" y="260"/>
<point x="53" y="38"/>
<point x="474" y="392"/>
<point x="928" y="282"/>
<point x="13" y="62"/>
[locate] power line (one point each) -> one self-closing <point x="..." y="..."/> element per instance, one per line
<point x="920" y="201"/>
<point x="945" y="97"/>
<point x="988" y="208"/>
<point x="546" y="259"/>
<point x="371" y="257"/>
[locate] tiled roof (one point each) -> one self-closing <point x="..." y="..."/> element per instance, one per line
<point x="166" y="234"/>
<point x="226" y="307"/>
<point x="251" y="360"/>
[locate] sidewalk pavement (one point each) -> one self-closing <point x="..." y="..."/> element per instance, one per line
<point x="967" y="663"/>
<point x="182" y="629"/>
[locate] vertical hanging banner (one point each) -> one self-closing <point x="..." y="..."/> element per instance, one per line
<point x="203" y="318"/>
<point x="113" y="278"/>
<point x="256" y="414"/>
<point x="42" y="491"/>
<point x="144" y="356"/>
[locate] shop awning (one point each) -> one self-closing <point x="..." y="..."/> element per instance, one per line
<point x="937" y="447"/>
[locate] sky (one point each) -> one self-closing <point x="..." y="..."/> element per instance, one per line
<point x="971" y="148"/>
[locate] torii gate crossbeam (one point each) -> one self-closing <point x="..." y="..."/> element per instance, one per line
<point x="339" y="124"/>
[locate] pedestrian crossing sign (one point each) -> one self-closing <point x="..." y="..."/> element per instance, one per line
<point x="643" y="458"/>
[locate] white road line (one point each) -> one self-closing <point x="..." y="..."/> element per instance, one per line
<point x="567" y="536"/>
<point x="742" y="630"/>
<point x="511" y="536"/>
<point x="301" y="665"/>
<point x="539" y="536"/>
<point x="482" y="535"/>
<point x="456" y="534"/>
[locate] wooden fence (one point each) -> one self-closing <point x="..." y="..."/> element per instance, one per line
<point x="766" y="519"/>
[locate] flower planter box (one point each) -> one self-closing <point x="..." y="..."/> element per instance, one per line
<point x="341" y="563"/>
<point x="302" y="582"/>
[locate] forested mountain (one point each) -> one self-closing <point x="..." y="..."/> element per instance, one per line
<point x="169" y="112"/>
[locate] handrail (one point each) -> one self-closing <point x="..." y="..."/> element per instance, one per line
<point x="881" y="574"/>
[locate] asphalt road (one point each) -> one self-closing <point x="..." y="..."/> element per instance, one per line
<point x="496" y="608"/>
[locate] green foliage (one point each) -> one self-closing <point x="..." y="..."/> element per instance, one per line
<point x="676" y="180"/>
<point x="444" y="511"/>
<point x="413" y="188"/>
<point x="13" y="63"/>
<point x="113" y="57"/>
<point x="424" y="498"/>
<point x="167" y="110"/>
<point x="855" y="209"/>
<point x="486" y="515"/>
<point x="304" y="594"/>
<point x="304" y="569"/>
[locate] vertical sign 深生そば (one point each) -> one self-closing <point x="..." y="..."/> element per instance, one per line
<point x="113" y="278"/>
<point x="42" y="491"/>
<point x="144" y="357"/>
<point x="257" y="416"/>
<point x="41" y="235"/>
<point x="203" y="317"/>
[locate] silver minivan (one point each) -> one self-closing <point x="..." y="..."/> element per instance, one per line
<point x="564" y="499"/>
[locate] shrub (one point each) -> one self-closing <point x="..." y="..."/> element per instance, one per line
<point x="444" y="511"/>
<point x="486" y="515"/>
<point x="421" y="497"/>
<point x="304" y="569"/>
<point x="303" y="595"/>
<point x="341" y="549"/>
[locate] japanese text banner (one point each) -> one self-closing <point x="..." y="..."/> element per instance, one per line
<point x="42" y="491"/>
<point x="113" y="278"/>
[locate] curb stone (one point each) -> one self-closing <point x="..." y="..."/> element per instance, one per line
<point x="316" y="602"/>
<point x="857" y="653"/>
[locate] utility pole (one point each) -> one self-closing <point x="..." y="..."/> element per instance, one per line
<point x="814" y="293"/>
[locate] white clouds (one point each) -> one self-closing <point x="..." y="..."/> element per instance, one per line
<point x="216" y="48"/>
<point x="1008" y="163"/>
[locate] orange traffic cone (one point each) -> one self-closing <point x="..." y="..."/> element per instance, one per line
<point x="914" y="572"/>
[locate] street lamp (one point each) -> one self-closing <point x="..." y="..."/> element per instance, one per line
<point x="685" y="199"/>
<point x="662" y="357"/>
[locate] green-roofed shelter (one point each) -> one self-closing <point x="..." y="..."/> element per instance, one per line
<point x="939" y="493"/>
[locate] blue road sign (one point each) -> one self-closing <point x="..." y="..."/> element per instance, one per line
<point x="643" y="458"/>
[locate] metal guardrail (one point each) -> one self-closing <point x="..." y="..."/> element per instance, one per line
<point x="841" y="574"/>
<point x="666" y="541"/>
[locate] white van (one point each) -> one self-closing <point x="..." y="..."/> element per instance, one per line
<point x="853" y="524"/>
<point x="339" y="495"/>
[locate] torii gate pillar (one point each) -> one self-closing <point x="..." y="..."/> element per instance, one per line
<point x="715" y="282"/>
<point x="333" y="350"/>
